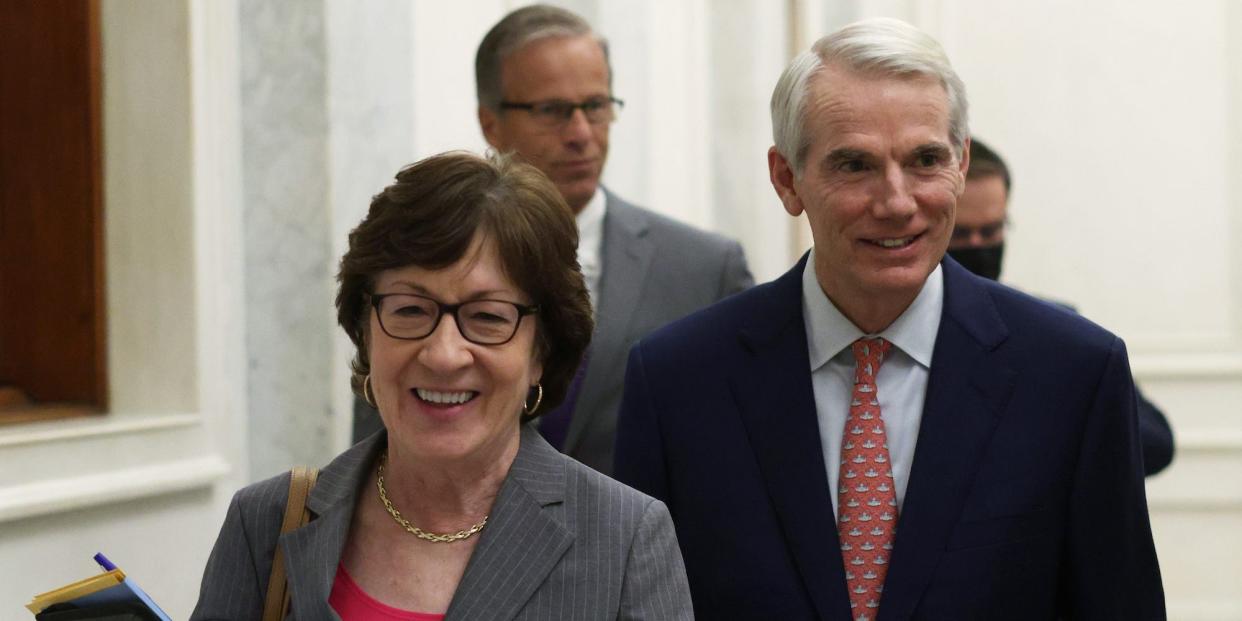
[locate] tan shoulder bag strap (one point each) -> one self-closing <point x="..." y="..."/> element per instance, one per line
<point x="301" y="481"/>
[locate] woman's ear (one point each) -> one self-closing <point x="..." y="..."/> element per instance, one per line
<point x="536" y="368"/>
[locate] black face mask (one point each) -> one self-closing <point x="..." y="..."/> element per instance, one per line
<point x="985" y="262"/>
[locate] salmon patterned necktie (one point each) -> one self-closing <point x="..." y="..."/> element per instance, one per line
<point x="867" y="500"/>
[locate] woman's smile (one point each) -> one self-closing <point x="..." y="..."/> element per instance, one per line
<point x="442" y="406"/>
<point x="444" y="398"/>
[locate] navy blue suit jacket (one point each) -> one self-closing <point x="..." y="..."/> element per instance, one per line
<point x="1025" y="498"/>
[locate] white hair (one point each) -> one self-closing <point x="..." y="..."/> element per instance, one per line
<point x="880" y="46"/>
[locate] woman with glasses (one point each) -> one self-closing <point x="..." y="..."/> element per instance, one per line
<point x="462" y="293"/>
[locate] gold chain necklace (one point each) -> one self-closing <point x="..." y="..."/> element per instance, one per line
<point x="414" y="530"/>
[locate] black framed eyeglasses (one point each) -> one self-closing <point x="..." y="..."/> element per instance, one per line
<point x="554" y="113"/>
<point x="485" y="322"/>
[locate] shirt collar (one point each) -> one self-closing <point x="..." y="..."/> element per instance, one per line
<point x="591" y="219"/>
<point x="828" y="332"/>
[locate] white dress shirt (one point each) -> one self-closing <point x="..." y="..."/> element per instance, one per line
<point x="901" y="383"/>
<point x="591" y="242"/>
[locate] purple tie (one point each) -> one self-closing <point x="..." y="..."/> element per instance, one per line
<point x="555" y="424"/>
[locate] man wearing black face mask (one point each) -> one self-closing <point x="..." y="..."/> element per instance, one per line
<point x="978" y="240"/>
<point x="978" y="243"/>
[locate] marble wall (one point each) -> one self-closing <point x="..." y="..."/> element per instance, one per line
<point x="288" y="243"/>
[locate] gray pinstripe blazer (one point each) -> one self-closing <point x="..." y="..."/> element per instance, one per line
<point x="563" y="542"/>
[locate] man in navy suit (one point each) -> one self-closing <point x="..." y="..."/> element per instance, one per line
<point x="879" y="434"/>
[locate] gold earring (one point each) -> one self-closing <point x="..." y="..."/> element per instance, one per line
<point x="367" y="394"/>
<point x="538" y="399"/>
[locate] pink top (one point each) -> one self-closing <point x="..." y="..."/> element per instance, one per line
<point x="353" y="604"/>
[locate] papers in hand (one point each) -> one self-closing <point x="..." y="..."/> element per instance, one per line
<point x="105" y="590"/>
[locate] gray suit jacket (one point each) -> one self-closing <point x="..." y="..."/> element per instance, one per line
<point x="562" y="542"/>
<point x="655" y="270"/>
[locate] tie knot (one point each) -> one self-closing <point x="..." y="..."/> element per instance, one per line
<point x="868" y="356"/>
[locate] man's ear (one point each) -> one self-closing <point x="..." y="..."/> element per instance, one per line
<point x="964" y="167"/>
<point x="490" y="123"/>
<point x="782" y="176"/>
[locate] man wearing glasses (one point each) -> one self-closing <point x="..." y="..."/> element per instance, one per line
<point x="544" y="85"/>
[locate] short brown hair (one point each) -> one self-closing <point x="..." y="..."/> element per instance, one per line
<point x="430" y="216"/>
<point x="984" y="162"/>
<point x="525" y="25"/>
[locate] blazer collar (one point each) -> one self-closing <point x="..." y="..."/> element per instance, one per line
<point x="627" y="255"/>
<point x="966" y="303"/>
<point x="538" y="469"/>
<point x="775" y="309"/>
<point x="525" y="536"/>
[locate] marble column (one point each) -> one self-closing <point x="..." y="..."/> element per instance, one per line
<point x="289" y="326"/>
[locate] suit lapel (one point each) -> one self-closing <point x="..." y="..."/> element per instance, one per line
<point x="777" y="406"/>
<point x="627" y="255"/>
<point x="967" y="392"/>
<point x="523" y="541"/>
<point x="313" y="552"/>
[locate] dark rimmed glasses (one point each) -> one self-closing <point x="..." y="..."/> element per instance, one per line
<point x="484" y="322"/>
<point x="554" y="113"/>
